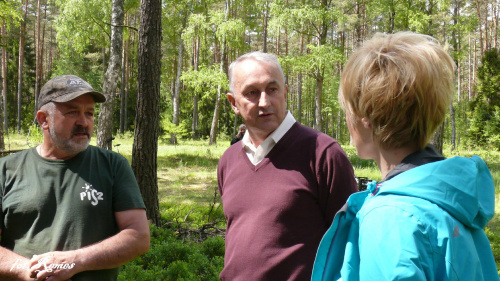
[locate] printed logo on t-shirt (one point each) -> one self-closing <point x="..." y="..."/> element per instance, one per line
<point x="91" y="194"/>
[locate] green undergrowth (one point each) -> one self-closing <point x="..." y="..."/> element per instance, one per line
<point x="171" y="258"/>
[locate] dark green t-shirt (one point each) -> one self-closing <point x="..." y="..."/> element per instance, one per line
<point x="57" y="205"/>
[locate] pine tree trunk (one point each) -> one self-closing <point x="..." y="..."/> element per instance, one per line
<point x="105" y="125"/>
<point x="318" y="115"/>
<point x="495" y="21"/>
<point x="177" y="93"/>
<point x="486" y="40"/>
<point x="215" y="119"/>
<point x="4" y="79"/>
<point x="122" y="90"/>
<point x="194" y="127"/>
<point x="437" y="138"/>
<point x="299" y="79"/>
<point x="37" y="54"/>
<point x="318" y="118"/>
<point x="3" y="108"/>
<point x="42" y="48"/>
<point x="479" y="27"/>
<point x="22" y="39"/>
<point x="264" y="27"/>
<point x="453" y="127"/>
<point x="147" y="126"/>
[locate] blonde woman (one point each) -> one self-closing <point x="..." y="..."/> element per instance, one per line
<point x="425" y="219"/>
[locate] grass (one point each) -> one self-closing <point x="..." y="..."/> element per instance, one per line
<point x="187" y="180"/>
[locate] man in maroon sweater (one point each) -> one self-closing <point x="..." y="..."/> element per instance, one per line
<point x="281" y="185"/>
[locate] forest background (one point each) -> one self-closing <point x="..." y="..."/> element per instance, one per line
<point x="103" y="42"/>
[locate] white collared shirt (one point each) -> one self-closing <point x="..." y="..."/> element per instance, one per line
<point x="256" y="155"/>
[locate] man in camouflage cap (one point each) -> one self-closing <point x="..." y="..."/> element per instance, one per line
<point x="68" y="210"/>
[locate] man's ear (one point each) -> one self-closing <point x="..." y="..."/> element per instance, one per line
<point x="42" y="118"/>
<point x="232" y="101"/>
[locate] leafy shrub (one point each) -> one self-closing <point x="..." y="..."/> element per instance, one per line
<point x="213" y="247"/>
<point x="179" y="271"/>
<point x="172" y="258"/>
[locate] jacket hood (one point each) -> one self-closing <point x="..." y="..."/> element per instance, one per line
<point x="461" y="186"/>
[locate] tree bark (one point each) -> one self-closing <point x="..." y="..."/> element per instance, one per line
<point x="495" y="22"/>
<point x="3" y="115"/>
<point x="105" y="125"/>
<point x="264" y="27"/>
<point x="194" y="127"/>
<point x="453" y="127"/>
<point x="215" y="119"/>
<point x="437" y="138"/>
<point x="42" y="48"/>
<point x="486" y="40"/>
<point x="147" y="126"/>
<point x="177" y="93"/>
<point x="479" y="27"/>
<point x="4" y="78"/>
<point x="122" y="89"/>
<point x="318" y="116"/>
<point x="299" y="77"/>
<point x="22" y="40"/>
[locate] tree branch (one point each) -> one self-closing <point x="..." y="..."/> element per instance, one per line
<point x="104" y="30"/>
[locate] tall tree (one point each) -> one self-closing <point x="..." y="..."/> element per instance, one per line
<point x="264" y="25"/>
<point x="215" y="119"/>
<point x="38" y="54"/>
<point x="177" y="91"/>
<point x="4" y="77"/>
<point x="22" y="39"/>
<point x="145" y="147"/>
<point x="105" y="125"/>
<point x="478" y="10"/>
<point x="124" y="84"/>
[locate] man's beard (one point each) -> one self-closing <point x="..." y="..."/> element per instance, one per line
<point x="69" y="146"/>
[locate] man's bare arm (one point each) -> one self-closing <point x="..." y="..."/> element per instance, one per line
<point x="131" y="242"/>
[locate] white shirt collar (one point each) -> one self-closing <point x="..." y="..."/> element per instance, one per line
<point x="257" y="154"/>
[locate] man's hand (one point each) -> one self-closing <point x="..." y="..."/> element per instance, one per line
<point x="130" y="242"/>
<point x="54" y="266"/>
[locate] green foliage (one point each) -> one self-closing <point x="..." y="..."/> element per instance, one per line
<point x="170" y="258"/>
<point x="168" y="128"/>
<point x="82" y="23"/>
<point x="484" y="109"/>
<point x="10" y="10"/>
<point x="205" y="80"/>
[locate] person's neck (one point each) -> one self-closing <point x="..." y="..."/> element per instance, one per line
<point x="389" y="159"/>
<point x="256" y="140"/>
<point x="51" y="152"/>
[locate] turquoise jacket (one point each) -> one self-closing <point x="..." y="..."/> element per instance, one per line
<point x="423" y="224"/>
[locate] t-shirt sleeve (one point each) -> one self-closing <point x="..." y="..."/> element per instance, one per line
<point x="335" y="179"/>
<point x="126" y="193"/>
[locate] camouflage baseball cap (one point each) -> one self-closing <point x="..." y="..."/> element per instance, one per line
<point x="65" y="88"/>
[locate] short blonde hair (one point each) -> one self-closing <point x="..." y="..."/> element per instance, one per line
<point x="402" y="83"/>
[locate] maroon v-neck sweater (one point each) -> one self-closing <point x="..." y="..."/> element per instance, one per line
<point x="278" y="211"/>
